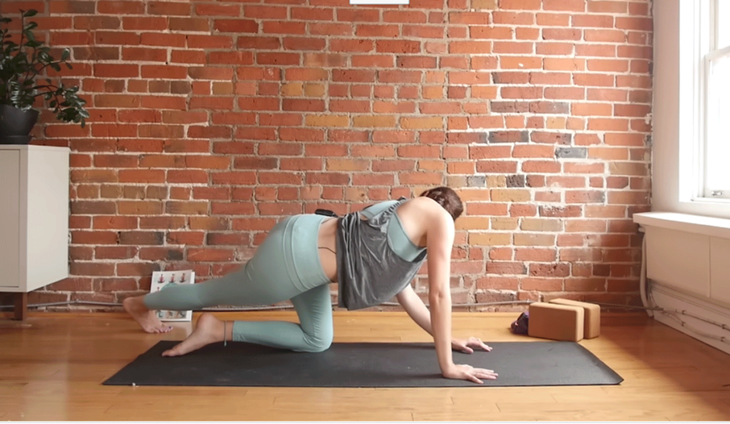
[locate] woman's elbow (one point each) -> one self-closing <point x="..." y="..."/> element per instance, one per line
<point x="439" y="296"/>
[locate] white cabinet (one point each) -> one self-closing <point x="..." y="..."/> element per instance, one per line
<point x="34" y="203"/>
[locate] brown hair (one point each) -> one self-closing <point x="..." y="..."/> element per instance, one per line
<point x="447" y="198"/>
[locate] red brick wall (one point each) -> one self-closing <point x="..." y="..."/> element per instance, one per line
<point x="213" y="119"/>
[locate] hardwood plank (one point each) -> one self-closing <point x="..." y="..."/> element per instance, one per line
<point x="465" y="398"/>
<point x="149" y="411"/>
<point x="59" y="410"/>
<point x="618" y="414"/>
<point x="57" y="362"/>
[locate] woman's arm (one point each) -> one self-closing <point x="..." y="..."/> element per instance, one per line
<point x="439" y="242"/>
<point x="414" y="307"/>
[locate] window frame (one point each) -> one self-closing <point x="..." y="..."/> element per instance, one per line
<point x="709" y="52"/>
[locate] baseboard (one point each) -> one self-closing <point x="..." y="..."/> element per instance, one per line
<point x="670" y="299"/>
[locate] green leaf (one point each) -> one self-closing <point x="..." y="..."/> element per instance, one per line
<point x="29" y="35"/>
<point x="66" y="54"/>
<point x="30" y="26"/>
<point x="68" y="65"/>
<point x="31" y="12"/>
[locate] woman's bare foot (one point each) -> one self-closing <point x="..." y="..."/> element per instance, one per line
<point x="209" y="329"/>
<point x="145" y="317"/>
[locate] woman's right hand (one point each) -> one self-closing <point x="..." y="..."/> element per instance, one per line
<point x="467" y="372"/>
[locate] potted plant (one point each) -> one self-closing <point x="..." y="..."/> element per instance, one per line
<point x="23" y="79"/>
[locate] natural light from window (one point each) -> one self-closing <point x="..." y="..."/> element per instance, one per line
<point x="717" y="148"/>
<point x="723" y="30"/>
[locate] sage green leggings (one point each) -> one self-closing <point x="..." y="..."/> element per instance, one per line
<point x="285" y="267"/>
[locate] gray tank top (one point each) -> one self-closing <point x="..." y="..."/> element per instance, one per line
<point x="369" y="272"/>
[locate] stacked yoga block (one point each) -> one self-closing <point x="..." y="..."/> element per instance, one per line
<point x="563" y="319"/>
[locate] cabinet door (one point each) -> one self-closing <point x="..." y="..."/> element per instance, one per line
<point x="9" y="218"/>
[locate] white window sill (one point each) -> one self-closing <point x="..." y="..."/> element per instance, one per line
<point x="716" y="227"/>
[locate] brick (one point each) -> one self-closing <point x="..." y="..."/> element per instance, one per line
<point x="562" y="64"/>
<point x="625" y="139"/>
<point x="533" y="151"/>
<point x="605" y="36"/>
<point x="470" y="18"/>
<point x="504" y="224"/>
<point x="279" y="59"/>
<point x="120" y="7"/>
<point x="469" y="47"/>
<point x="374" y="121"/>
<point x="327" y="121"/>
<point x="328" y="29"/>
<point x="347" y="165"/>
<point x="422" y="123"/>
<point x="534" y="239"/>
<point x="490" y="32"/>
<point x="384" y="31"/>
<point x="584" y="197"/>
<point x="302" y="105"/>
<point x="615" y="7"/>
<point x="571" y="152"/>
<point x="399" y="46"/>
<point x="520" y="62"/>
<point x="510" y="195"/>
<point x="521" y="92"/>
<point x="347" y="45"/>
<point x="484" y="4"/>
<point x="512" y="268"/>
<point x="404" y="16"/>
<point x="358" y="15"/>
<point x="554" y="49"/>
<point x="413" y="62"/>
<point x="508" y="137"/>
<point x="561" y="34"/>
<point x="300" y="164"/>
<point x="607" y="65"/>
<point x="419" y="31"/>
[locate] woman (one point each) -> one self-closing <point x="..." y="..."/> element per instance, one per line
<point x="372" y="255"/>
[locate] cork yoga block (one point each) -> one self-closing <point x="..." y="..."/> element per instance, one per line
<point x="556" y="322"/>
<point x="591" y="316"/>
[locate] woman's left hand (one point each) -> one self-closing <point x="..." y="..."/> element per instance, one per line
<point x="468" y="345"/>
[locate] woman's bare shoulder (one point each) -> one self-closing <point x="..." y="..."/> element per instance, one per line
<point x="425" y="207"/>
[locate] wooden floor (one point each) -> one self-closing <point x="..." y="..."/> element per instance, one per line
<point x="52" y="366"/>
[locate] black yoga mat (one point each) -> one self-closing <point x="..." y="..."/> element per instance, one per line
<point x="364" y="365"/>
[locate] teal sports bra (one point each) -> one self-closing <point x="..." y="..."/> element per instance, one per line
<point x="397" y="237"/>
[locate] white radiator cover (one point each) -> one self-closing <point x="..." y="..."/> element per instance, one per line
<point x="688" y="269"/>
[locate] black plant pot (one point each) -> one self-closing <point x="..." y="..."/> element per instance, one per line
<point x="16" y="124"/>
<point x="15" y="139"/>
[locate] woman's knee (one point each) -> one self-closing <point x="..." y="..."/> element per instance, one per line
<point x="318" y="343"/>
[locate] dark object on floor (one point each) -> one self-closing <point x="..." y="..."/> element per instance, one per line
<point x="364" y="365"/>
<point x="521" y="324"/>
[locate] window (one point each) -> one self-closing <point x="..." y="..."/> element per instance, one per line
<point x="716" y="74"/>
